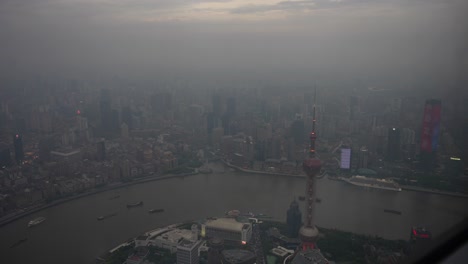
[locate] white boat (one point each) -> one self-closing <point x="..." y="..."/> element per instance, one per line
<point x="376" y="183"/>
<point x="36" y="221"/>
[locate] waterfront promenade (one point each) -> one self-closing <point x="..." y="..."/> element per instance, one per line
<point x="403" y="187"/>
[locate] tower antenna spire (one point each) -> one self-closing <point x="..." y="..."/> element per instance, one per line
<point x="311" y="165"/>
<point x="313" y="134"/>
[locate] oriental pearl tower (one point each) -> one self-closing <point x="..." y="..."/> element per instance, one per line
<point x="311" y="165"/>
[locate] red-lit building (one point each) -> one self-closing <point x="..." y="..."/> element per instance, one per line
<point x="430" y="132"/>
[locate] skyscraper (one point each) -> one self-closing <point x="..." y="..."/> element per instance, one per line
<point x="363" y="157"/>
<point x="109" y="117"/>
<point x="294" y="219"/>
<point x="5" y="158"/>
<point x="430" y="132"/>
<point x="18" y="144"/>
<point x="345" y="162"/>
<point x="393" y="147"/>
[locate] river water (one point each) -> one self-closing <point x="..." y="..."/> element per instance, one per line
<point x="72" y="234"/>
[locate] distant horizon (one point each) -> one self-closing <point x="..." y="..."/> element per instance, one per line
<point x="384" y="41"/>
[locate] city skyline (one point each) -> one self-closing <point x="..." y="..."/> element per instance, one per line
<point x="233" y="131"/>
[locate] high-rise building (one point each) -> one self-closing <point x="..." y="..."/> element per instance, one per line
<point x="345" y="162"/>
<point x="430" y="133"/>
<point x="363" y="157"/>
<point x="187" y="252"/>
<point x="109" y="117"/>
<point x="18" y="144"/>
<point x="5" y="157"/>
<point x="294" y="219"/>
<point x="393" y="144"/>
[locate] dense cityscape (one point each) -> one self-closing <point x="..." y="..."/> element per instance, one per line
<point x="233" y="131"/>
<point x="73" y="139"/>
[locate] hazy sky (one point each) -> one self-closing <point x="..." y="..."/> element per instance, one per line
<point x="135" y="38"/>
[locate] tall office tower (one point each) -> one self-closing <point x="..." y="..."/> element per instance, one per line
<point x="187" y="252"/>
<point x="430" y="133"/>
<point x="308" y="232"/>
<point x="108" y="126"/>
<point x="18" y="144"/>
<point x="363" y="157"/>
<point x="294" y="219"/>
<point x="345" y="158"/>
<point x="393" y="147"/>
<point x="5" y="157"/>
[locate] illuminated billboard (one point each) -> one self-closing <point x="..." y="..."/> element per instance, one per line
<point x="345" y="158"/>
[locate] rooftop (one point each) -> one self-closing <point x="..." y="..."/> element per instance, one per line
<point x="310" y="256"/>
<point x="237" y="255"/>
<point x="187" y="244"/>
<point x="230" y="224"/>
<point x="175" y="235"/>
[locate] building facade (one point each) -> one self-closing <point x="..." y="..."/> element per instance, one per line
<point x="187" y="252"/>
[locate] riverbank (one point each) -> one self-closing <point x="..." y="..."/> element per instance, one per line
<point x="120" y="253"/>
<point x="261" y="172"/>
<point x="417" y="189"/>
<point x="8" y="219"/>
<point x="421" y="189"/>
<point x="403" y="187"/>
